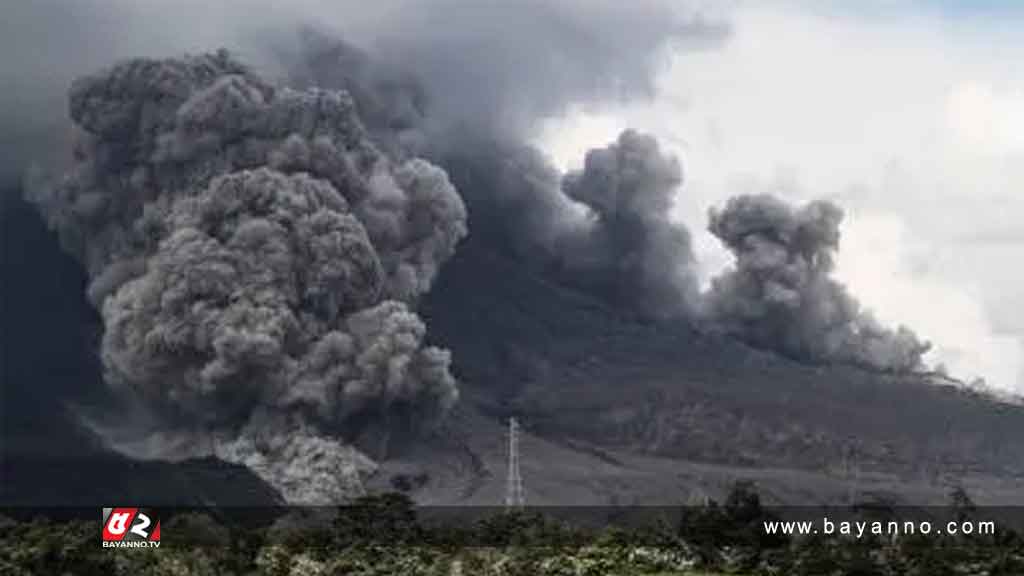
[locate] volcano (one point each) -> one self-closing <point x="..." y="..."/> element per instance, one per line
<point x="615" y="408"/>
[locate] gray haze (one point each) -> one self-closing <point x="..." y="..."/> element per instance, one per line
<point x="605" y="229"/>
<point x="497" y="67"/>
<point x="470" y="55"/>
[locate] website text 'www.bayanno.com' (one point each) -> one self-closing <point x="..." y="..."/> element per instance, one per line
<point x="893" y="528"/>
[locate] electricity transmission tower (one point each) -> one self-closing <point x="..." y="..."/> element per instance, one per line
<point x="514" y="497"/>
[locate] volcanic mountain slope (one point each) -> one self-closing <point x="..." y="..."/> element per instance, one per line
<point x="628" y="407"/>
<point x="615" y="409"/>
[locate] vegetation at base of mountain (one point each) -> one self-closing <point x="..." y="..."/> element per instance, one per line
<point x="382" y="534"/>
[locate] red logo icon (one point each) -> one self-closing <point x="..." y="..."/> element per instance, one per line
<point x="131" y="528"/>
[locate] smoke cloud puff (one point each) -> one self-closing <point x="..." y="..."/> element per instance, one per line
<point x="253" y="252"/>
<point x="639" y="255"/>
<point x="156" y="128"/>
<point x="604" y="229"/>
<point x="780" y="294"/>
<point x="300" y="462"/>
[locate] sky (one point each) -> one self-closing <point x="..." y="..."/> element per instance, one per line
<point x="910" y="115"/>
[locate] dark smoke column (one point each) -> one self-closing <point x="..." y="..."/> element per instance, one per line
<point x="780" y="294"/>
<point x="253" y="256"/>
<point x="631" y="252"/>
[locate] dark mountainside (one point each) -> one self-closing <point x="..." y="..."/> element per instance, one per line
<point x="573" y="368"/>
<point x="49" y="365"/>
<point x="591" y="378"/>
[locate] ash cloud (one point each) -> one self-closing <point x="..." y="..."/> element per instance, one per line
<point x="488" y="69"/>
<point x="274" y="335"/>
<point x="470" y="101"/>
<point x="460" y="95"/>
<point x="780" y="294"/>
<point x="257" y="251"/>
<point x="604" y="229"/>
<point x="631" y="251"/>
<point x="510" y="63"/>
<point x="253" y="253"/>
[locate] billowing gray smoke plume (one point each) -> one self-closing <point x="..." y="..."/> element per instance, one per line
<point x="605" y="229"/>
<point x="285" y="325"/>
<point x="453" y="81"/>
<point x="632" y="252"/>
<point x="253" y="255"/>
<point x="256" y="253"/>
<point x="780" y="294"/>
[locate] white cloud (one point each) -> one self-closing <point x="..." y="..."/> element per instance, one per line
<point x="985" y="121"/>
<point x="881" y="261"/>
